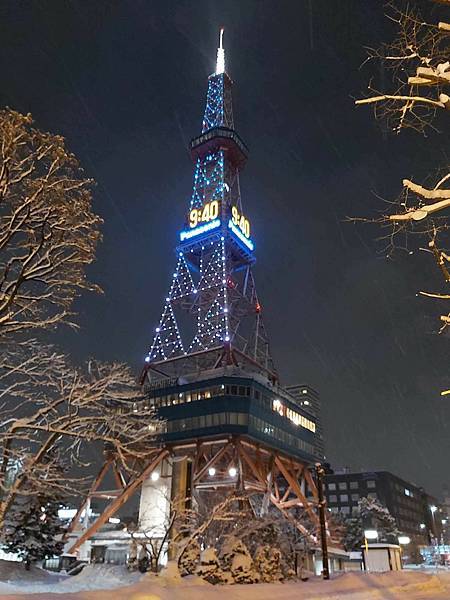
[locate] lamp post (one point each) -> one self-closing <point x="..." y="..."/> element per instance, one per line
<point x="403" y="540"/>
<point x="369" y="534"/>
<point x="320" y="472"/>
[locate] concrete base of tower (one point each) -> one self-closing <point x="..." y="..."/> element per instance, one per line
<point x="155" y="500"/>
<point x="162" y="494"/>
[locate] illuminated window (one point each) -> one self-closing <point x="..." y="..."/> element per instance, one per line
<point x="331" y="486"/>
<point x="372" y="495"/>
<point x="343" y="497"/>
<point x="354" y="485"/>
<point x="371" y="484"/>
<point x="292" y="415"/>
<point x="332" y="498"/>
<point x="355" y="497"/>
<point x="342" y="485"/>
<point x="278" y="407"/>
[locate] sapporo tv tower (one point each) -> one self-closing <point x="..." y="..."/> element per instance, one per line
<point x="213" y="283"/>
<point x="227" y="422"/>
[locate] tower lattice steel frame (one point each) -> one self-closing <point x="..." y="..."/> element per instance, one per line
<point x="212" y="287"/>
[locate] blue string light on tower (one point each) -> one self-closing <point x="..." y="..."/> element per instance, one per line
<point x="212" y="285"/>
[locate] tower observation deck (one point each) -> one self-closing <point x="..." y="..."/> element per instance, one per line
<point x="209" y="369"/>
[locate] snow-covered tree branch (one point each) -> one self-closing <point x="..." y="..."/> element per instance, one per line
<point x="419" y="59"/>
<point x="48" y="231"/>
<point x="52" y="411"/>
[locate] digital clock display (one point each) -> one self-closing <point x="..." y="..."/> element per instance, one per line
<point x="208" y="217"/>
<point x="208" y="212"/>
<point x="240" y="221"/>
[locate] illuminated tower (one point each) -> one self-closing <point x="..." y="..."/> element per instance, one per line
<point x="212" y="316"/>
<point x="226" y="422"/>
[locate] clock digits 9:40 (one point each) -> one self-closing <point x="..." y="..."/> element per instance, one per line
<point x="240" y="221"/>
<point x="208" y="212"/>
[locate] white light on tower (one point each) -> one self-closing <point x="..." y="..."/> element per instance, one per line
<point x="232" y="472"/>
<point x="154" y="476"/>
<point x="211" y="471"/>
<point x="433" y="508"/>
<point x="220" y="64"/>
<point x="403" y="540"/>
<point x="422" y="526"/>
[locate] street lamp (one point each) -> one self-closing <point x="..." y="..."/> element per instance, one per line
<point x="403" y="540"/>
<point x="433" y="509"/>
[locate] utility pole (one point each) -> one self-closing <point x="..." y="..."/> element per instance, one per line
<point x="320" y="472"/>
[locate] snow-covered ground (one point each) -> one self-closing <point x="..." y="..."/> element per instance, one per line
<point x="116" y="583"/>
<point x="14" y="579"/>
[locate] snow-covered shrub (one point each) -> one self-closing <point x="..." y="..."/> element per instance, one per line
<point x="189" y="558"/>
<point x="210" y="570"/>
<point x="236" y="559"/>
<point x="268" y="563"/>
<point x="242" y="569"/>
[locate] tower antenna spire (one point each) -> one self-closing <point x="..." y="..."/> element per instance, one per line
<point x="220" y="63"/>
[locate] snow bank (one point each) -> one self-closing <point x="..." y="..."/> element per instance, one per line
<point x="98" y="577"/>
<point x="401" y="585"/>
<point x="15" y="571"/>
<point x="15" y="579"/>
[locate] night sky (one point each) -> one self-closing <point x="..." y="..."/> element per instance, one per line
<point x="125" y="83"/>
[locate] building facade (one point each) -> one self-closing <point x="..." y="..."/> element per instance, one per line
<point x="308" y="399"/>
<point x="233" y="401"/>
<point x="417" y="514"/>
